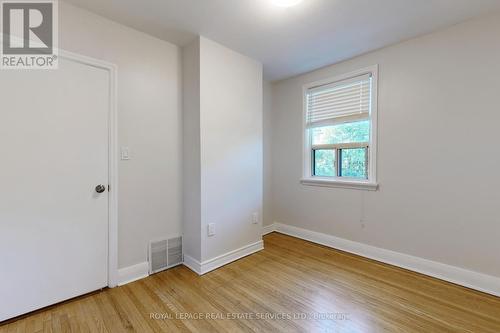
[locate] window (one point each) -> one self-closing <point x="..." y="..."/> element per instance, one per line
<point x="340" y="131"/>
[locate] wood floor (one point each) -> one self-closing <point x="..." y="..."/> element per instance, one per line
<point x="291" y="286"/>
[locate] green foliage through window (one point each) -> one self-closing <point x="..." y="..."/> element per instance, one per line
<point x="358" y="131"/>
<point x="324" y="163"/>
<point x="354" y="163"/>
<point x="352" y="160"/>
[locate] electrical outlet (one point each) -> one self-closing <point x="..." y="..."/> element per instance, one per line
<point x="211" y="229"/>
<point x="255" y="218"/>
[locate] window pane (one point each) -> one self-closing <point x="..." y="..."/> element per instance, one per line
<point x="354" y="163"/>
<point x="324" y="163"/>
<point x="358" y="131"/>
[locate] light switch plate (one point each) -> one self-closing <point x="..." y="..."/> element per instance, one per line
<point x="211" y="229"/>
<point x="125" y="153"/>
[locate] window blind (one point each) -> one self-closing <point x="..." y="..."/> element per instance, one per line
<point x="339" y="102"/>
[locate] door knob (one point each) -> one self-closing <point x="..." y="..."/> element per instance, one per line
<point x="100" y="188"/>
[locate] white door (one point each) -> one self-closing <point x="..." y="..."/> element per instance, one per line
<point x="53" y="154"/>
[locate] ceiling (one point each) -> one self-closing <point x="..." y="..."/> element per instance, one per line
<point x="294" y="40"/>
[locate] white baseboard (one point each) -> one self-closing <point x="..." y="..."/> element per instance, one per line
<point x="267" y="229"/>
<point x="133" y="273"/>
<point x="214" y="263"/>
<point x="474" y="280"/>
<point x="192" y="264"/>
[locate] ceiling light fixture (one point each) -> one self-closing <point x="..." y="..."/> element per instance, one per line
<point x="286" y="3"/>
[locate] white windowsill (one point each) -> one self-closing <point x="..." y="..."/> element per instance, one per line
<point x="327" y="182"/>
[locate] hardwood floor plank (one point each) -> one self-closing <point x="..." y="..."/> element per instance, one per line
<point x="89" y="310"/>
<point x="353" y="277"/>
<point x="271" y="291"/>
<point x="400" y="278"/>
<point x="325" y="294"/>
<point x="188" y="281"/>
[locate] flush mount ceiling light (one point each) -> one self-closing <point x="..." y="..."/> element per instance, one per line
<point x="286" y="3"/>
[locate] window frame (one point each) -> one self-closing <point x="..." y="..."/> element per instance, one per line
<point x="308" y="177"/>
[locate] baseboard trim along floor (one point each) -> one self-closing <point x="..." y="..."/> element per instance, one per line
<point x="214" y="263"/>
<point x="141" y="270"/>
<point x="267" y="229"/>
<point x="470" y="279"/>
<point x="133" y="273"/>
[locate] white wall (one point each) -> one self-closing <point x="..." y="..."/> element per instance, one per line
<point x="438" y="161"/>
<point x="149" y="122"/>
<point x="191" y="155"/>
<point x="267" y="143"/>
<point x="230" y="149"/>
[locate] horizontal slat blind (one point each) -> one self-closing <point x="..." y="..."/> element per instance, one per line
<point x="343" y="101"/>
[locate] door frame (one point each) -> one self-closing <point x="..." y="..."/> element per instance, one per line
<point x="112" y="246"/>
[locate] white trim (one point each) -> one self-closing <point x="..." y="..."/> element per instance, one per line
<point x="192" y="264"/>
<point x="133" y="273"/>
<point x="267" y="229"/>
<point x="214" y="263"/>
<point x="470" y="279"/>
<point x="372" y="151"/>
<point x="113" y="274"/>
<point x="328" y="182"/>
